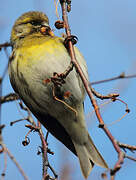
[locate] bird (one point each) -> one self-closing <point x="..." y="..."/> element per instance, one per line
<point x="37" y="57"/>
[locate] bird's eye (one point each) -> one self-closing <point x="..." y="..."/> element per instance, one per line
<point x="35" y="23"/>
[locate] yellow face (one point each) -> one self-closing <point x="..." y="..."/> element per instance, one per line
<point x="30" y="23"/>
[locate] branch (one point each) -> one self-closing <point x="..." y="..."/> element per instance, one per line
<point x="8" y="98"/>
<point x="127" y="146"/>
<point x="5" y="150"/>
<point x="44" y="147"/>
<point x="15" y="162"/>
<point x="44" y="150"/>
<point x="4" y="45"/>
<point x="100" y="96"/>
<point x="88" y="88"/>
<point x="121" y="76"/>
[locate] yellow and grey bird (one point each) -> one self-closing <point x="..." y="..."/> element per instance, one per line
<point x="36" y="54"/>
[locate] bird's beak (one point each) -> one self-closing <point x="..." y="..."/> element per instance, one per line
<point x="46" y="31"/>
<point x="51" y="33"/>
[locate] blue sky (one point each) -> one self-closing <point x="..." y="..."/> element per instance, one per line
<point x="106" y="32"/>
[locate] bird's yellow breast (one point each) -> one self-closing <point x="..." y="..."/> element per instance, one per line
<point x="32" y="50"/>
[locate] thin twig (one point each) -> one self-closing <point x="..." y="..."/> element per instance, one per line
<point x="127" y="146"/>
<point x="131" y="158"/>
<point x="16" y="121"/>
<point x="6" y="44"/>
<point x="29" y="117"/>
<point x="6" y="68"/>
<point x="37" y="128"/>
<point x="47" y="134"/>
<point x="121" y="76"/>
<point x="100" y="96"/>
<point x="8" y="98"/>
<point x="53" y="171"/>
<point x="5" y="166"/>
<point x="67" y="71"/>
<point x="127" y="109"/>
<point x="44" y="150"/>
<point x="15" y="162"/>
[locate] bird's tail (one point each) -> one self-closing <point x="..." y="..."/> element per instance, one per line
<point x="88" y="156"/>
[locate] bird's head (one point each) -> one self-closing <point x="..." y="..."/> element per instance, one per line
<point x="32" y="22"/>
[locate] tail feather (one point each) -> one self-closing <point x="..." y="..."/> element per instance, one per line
<point x="94" y="154"/>
<point x="84" y="160"/>
<point x="88" y="156"/>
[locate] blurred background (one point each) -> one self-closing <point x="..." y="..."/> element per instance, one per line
<point x="106" y="32"/>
